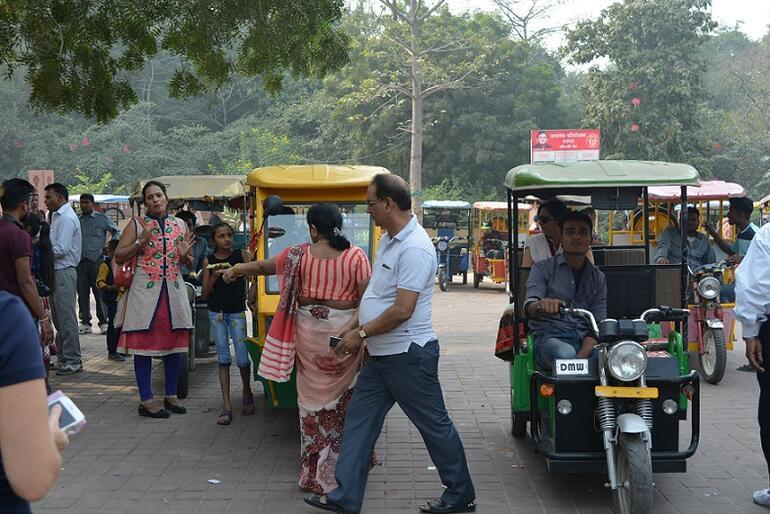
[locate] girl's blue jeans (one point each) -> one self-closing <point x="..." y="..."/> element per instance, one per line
<point x="226" y="328"/>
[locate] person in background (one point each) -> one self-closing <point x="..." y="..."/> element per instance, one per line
<point x="155" y="315"/>
<point x="66" y="240"/>
<point x="16" y="258"/>
<point x="34" y="206"/>
<point x="105" y="282"/>
<point x="94" y="227"/>
<point x="200" y="249"/>
<point x="30" y="437"/>
<point x="752" y="308"/>
<point x="595" y="239"/>
<point x="227" y="313"/>
<point x="669" y="244"/>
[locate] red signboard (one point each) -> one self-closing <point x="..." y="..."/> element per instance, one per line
<point x="565" y="145"/>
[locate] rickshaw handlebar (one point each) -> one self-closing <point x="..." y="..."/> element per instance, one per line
<point x="661" y="313"/>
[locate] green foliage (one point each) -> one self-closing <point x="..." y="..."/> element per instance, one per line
<point x="649" y="100"/>
<point x="76" y="54"/>
<point x="86" y="184"/>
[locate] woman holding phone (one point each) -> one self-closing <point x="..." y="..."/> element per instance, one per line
<point x="30" y="438"/>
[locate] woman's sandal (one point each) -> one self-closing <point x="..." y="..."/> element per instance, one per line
<point x="225" y="418"/>
<point x="247" y="404"/>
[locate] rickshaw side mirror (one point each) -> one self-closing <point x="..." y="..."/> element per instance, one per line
<point x="271" y="206"/>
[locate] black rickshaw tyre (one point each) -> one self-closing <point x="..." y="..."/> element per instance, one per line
<point x="442" y="279"/>
<point x="476" y="279"/>
<point x="183" y="384"/>
<point x="465" y="277"/>
<point x="519" y="424"/>
<point x="634" y="467"/>
<point x="715" y="375"/>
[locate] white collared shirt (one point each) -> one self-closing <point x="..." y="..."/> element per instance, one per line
<point x="66" y="237"/>
<point x="407" y="261"/>
<point x="752" y="285"/>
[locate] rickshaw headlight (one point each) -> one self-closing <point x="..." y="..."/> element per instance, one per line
<point x="564" y="407"/>
<point x="442" y="245"/>
<point x="670" y="406"/>
<point x="709" y="288"/>
<point x="627" y="361"/>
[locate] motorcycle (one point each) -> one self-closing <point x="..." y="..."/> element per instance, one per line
<point x="446" y="270"/>
<point x="708" y="317"/>
<point x="624" y="413"/>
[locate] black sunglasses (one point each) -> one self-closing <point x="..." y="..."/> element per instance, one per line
<point x="543" y="219"/>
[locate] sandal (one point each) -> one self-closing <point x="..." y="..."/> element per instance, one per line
<point x="247" y="403"/>
<point x="323" y="503"/>
<point x="444" y="508"/>
<point x="225" y="418"/>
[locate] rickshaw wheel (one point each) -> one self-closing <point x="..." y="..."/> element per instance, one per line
<point x="713" y="361"/>
<point x="465" y="277"/>
<point x="442" y="279"/>
<point x="476" y="280"/>
<point x="635" y="469"/>
<point x="518" y="424"/>
<point x="182" y="385"/>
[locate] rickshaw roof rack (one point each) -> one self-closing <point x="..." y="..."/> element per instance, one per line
<point x="202" y="188"/>
<point x="317" y="176"/>
<point x="445" y="204"/>
<point x="706" y="190"/>
<point x="496" y="206"/>
<point x="574" y="178"/>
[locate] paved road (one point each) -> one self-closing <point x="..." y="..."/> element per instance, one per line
<point x="124" y="463"/>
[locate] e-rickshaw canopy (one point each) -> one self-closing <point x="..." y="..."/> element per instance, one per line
<point x="209" y="189"/>
<point x="446" y="204"/>
<point x="576" y="177"/>
<point x="706" y="190"/>
<point x="497" y="206"/>
<point x="319" y="176"/>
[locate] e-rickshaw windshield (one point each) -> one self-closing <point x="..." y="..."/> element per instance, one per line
<point x="291" y="229"/>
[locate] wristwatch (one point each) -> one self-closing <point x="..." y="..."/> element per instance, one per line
<point x="362" y="333"/>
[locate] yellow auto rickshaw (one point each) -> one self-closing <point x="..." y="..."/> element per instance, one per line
<point x="489" y="222"/>
<point x="273" y="230"/>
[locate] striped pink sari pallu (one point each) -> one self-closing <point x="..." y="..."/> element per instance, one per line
<point x="277" y="360"/>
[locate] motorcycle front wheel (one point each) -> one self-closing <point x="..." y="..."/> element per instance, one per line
<point x="634" y="472"/>
<point x="713" y="360"/>
<point x="442" y="279"/>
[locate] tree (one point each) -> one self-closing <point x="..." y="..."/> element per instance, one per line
<point x="649" y="99"/>
<point x="76" y="53"/>
<point x="524" y="19"/>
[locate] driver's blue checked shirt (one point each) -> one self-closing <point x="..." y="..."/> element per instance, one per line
<point x="752" y="285"/>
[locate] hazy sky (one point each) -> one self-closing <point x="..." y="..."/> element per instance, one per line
<point x="753" y="15"/>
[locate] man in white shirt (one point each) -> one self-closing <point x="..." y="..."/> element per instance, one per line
<point x="66" y="240"/>
<point x="395" y="321"/>
<point x="752" y="307"/>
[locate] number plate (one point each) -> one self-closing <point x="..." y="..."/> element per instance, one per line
<point x="626" y="392"/>
<point x="571" y="366"/>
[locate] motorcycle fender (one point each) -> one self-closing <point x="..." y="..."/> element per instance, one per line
<point x="442" y="265"/>
<point x="631" y="424"/>
<point x="714" y="323"/>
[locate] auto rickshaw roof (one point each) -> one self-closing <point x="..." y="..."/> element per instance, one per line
<point x="497" y="206"/>
<point x="764" y="201"/>
<point x="575" y="177"/>
<point x="206" y="188"/>
<point x="445" y="204"/>
<point x="104" y="198"/>
<point x="313" y="176"/>
<point x="706" y="190"/>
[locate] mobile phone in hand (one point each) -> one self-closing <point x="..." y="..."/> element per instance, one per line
<point x="72" y="419"/>
<point x="334" y="341"/>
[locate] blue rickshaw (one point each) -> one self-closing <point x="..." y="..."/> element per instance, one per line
<point x="448" y="223"/>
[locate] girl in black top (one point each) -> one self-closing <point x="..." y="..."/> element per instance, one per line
<point x="227" y="312"/>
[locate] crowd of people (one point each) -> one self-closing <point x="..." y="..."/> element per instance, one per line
<point x="361" y="338"/>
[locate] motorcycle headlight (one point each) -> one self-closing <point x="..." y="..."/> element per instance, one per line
<point x="442" y="245"/>
<point x="709" y="288"/>
<point x="627" y="361"/>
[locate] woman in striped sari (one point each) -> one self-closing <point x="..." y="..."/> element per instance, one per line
<point x="321" y="284"/>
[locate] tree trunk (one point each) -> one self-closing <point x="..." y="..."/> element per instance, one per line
<point x="415" y="162"/>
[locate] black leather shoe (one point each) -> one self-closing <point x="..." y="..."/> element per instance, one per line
<point x="147" y="413"/>
<point x="176" y="409"/>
